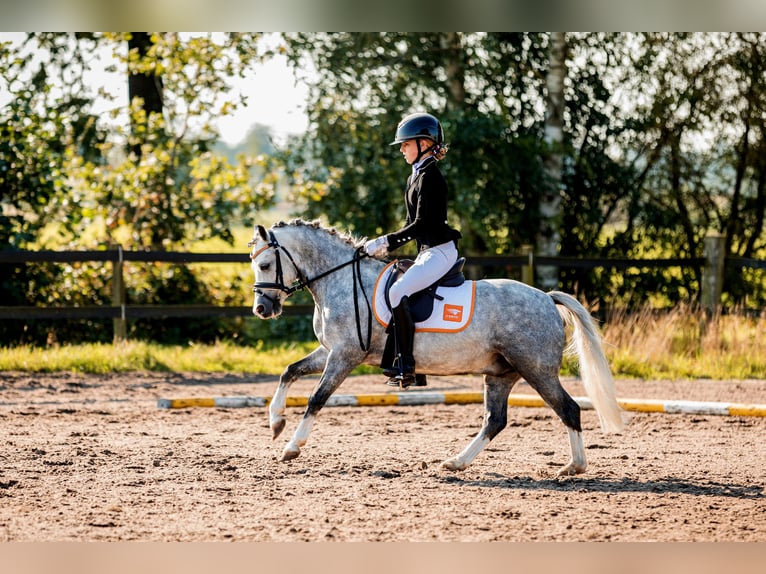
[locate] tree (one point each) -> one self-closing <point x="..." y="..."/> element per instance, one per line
<point x="144" y="85"/>
<point x="587" y="141"/>
<point x="39" y="125"/>
<point x="155" y="183"/>
<point x="179" y="85"/>
<point x="649" y="142"/>
<point x="697" y="125"/>
<point x="367" y="82"/>
<point x="549" y="233"/>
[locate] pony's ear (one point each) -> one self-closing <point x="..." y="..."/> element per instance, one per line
<point x="261" y="230"/>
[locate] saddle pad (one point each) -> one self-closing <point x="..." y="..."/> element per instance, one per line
<point x="450" y="315"/>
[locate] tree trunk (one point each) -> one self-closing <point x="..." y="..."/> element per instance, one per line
<point x="549" y="236"/>
<point x="146" y="86"/>
<point x="454" y="69"/>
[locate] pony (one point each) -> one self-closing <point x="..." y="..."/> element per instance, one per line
<point x="517" y="331"/>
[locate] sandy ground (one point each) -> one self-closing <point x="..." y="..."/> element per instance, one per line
<point x="92" y="458"/>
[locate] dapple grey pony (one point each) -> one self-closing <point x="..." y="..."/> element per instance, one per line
<point x="517" y="332"/>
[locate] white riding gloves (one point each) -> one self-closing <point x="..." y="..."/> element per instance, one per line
<point x="377" y="247"/>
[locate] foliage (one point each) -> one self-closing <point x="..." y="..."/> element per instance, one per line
<point x="663" y="138"/>
<point x="663" y="144"/>
<point x="694" y="133"/>
<point x="355" y="172"/>
<point x="155" y="182"/>
<point x="151" y="195"/>
<point x="36" y="126"/>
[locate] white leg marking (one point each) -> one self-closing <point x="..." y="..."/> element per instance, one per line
<point x="578" y="463"/>
<point x="461" y="461"/>
<point x="277" y="412"/>
<point x="293" y="448"/>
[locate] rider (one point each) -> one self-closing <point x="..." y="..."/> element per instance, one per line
<point x="421" y="140"/>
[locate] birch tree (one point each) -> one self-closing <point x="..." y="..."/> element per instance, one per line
<point x="549" y="235"/>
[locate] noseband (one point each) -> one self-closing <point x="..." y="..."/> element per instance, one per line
<point x="302" y="281"/>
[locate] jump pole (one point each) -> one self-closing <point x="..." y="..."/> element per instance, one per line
<point x="433" y="398"/>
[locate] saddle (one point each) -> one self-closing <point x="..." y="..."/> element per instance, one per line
<point x="422" y="302"/>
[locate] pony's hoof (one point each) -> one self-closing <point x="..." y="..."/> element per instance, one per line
<point x="571" y="469"/>
<point x="453" y="464"/>
<point x="290" y="454"/>
<point x="277" y="427"/>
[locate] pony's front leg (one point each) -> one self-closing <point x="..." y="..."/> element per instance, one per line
<point x="335" y="373"/>
<point x="312" y="363"/>
<point x="496" y="391"/>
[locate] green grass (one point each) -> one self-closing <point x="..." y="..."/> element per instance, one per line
<point x="137" y="356"/>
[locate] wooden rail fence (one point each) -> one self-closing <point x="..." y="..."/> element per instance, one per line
<point x="120" y="312"/>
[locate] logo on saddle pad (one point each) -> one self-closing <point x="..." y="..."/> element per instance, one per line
<point x="453" y="313"/>
<point x="452" y="309"/>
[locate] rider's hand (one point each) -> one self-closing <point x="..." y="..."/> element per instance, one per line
<point x="377" y="247"/>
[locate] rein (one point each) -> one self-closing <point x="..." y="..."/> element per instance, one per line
<point x="302" y="282"/>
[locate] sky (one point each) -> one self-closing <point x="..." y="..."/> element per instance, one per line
<point x="274" y="99"/>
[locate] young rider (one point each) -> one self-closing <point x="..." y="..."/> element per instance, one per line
<point x="421" y="140"/>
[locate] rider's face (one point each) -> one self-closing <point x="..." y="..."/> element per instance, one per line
<point x="409" y="149"/>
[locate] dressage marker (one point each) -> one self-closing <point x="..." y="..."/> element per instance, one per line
<point x="463" y="398"/>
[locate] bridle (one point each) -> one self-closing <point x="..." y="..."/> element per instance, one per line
<point x="303" y="281"/>
<point x="300" y="283"/>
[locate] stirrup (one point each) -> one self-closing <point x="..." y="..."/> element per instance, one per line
<point x="396" y="381"/>
<point x="402" y="380"/>
<point x="391" y="372"/>
<point x="396" y="370"/>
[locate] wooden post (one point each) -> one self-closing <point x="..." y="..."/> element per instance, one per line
<point x="119" y="324"/>
<point x="528" y="270"/>
<point x="712" y="274"/>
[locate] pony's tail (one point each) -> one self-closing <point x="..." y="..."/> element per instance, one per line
<point x="594" y="368"/>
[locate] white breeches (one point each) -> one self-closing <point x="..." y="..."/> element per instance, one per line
<point x="430" y="265"/>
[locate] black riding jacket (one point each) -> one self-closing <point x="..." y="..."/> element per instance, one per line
<point x="426" y="200"/>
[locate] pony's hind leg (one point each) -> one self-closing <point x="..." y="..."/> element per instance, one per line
<point x="568" y="411"/>
<point x="578" y="463"/>
<point x="496" y="391"/>
<point x="312" y="363"/>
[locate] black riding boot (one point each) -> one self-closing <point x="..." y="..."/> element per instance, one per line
<point x="403" y="372"/>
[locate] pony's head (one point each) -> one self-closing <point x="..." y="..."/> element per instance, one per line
<point x="282" y="256"/>
<point x="272" y="276"/>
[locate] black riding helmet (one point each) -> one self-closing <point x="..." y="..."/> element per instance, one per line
<point x="419" y="125"/>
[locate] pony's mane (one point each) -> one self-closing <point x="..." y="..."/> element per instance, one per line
<point x="316" y="224"/>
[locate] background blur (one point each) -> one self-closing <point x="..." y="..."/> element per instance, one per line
<point x="623" y="144"/>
